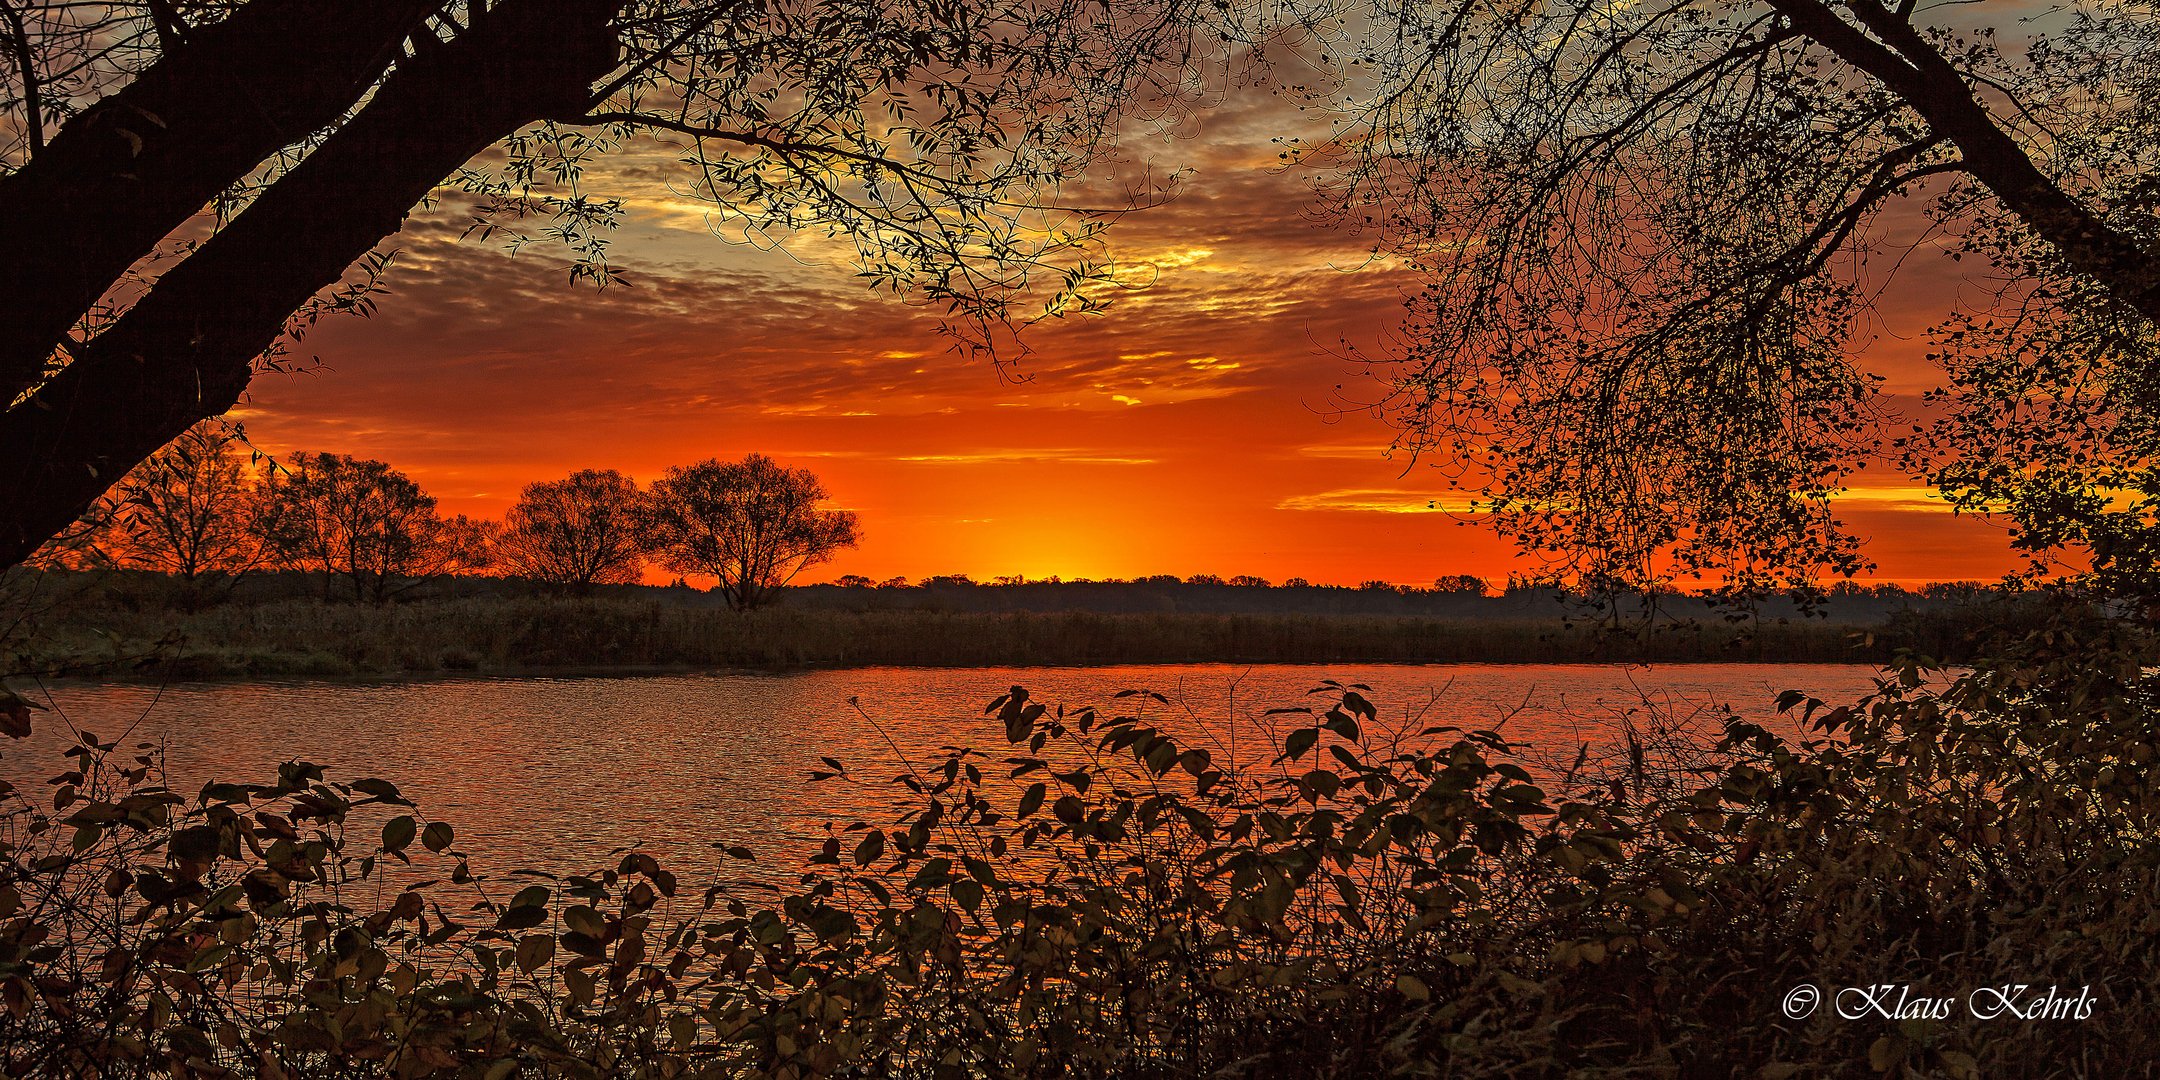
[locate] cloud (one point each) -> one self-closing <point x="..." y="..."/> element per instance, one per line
<point x="1381" y="501"/>
<point x="1010" y="457"/>
<point x="1925" y="499"/>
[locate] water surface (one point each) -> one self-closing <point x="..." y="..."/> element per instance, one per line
<point x="557" y="772"/>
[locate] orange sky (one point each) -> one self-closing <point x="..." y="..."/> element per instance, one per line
<point x="1189" y="430"/>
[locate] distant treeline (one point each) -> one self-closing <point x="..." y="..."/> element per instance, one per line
<point x="1459" y="596"/>
<point x="200" y="512"/>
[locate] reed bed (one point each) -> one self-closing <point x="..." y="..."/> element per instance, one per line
<point x="305" y="638"/>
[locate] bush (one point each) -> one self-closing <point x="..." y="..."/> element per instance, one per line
<point x="1100" y="898"/>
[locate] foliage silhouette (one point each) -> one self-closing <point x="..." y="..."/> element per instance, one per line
<point x="584" y="530"/>
<point x="1654" y="240"/>
<point x="752" y="525"/>
<point x="364" y="522"/>
<point x="1105" y="897"/>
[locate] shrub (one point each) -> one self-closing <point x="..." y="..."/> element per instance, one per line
<point x="1103" y="898"/>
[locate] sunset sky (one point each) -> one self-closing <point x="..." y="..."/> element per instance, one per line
<point x="1194" y="428"/>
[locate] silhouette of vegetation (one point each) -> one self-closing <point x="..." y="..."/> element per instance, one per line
<point x="122" y="628"/>
<point x="751" y="525"/>
<point x="1648" y="234"/>
<point x="575" y="533"/>
<point x="190" y="511"/>
<point x="1645" y="230"/>
<point x="1103" y="896"/>
<point x="365" y="523"/>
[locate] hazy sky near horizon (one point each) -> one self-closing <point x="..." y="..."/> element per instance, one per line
<point x="1197" y="427"/>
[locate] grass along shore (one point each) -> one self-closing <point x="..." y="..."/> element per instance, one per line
<point x="507" y="635"/>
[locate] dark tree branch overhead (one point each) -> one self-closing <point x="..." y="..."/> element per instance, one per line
<point x="136" y="300"/>
<point x="186" y="350"/>
<point x="126" y="173"/>
<point x="1647" y="228"/>
<point x="1942" y="94"/>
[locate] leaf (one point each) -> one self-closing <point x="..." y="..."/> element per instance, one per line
<point x="15" y="714"/>
<point x="521" y="918"/>
<point x="1412" y="987"/>
<point x="1885" y="1053"/>
<point x="437" y="836"/>
<point x="1300" y="741"/>
<point x="871" y="849"/>
<point x="584" y="920"/>
<point x="397" y="833"/>
<point x="534" y="952"/>
<point x="381" y="789"/>
<point x="1032" y="799"/>
<point x="969" y="893"/>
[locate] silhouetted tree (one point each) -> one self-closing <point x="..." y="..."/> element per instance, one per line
<point x="587" y="529"/>
<point x="752" y="525"/>
<point x="366" y="523"/>
<point x="928" y="133"/>
<point x="189" y="511"/>
<point x="1647" y="231"/>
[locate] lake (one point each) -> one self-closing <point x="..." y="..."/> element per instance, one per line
<point x="557" y="772"/>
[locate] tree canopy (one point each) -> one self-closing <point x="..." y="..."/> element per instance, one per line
<point x="365" y="524"/>
<point x="751" y="525"/>
<point x="1655" y="235"/>
<point x="190" y="510"/>
<point x="583" y="530"/>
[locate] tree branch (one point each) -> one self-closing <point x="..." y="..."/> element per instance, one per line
<point x="1904" y="61"/>
<point x="185" y="351"/>
<point x="122" y="175"/>
<point x="26" y="65"/>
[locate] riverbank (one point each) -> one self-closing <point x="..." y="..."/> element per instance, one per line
<point x="509" y="635"/>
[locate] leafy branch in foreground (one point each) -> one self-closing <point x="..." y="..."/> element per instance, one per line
<point x="1114" y="894"/>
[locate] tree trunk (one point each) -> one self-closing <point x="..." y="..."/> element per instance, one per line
<point x="1909" y="64"/>
<point x="126" y="172"/>
<point x="186" y="350"/>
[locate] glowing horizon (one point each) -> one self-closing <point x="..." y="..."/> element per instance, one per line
<point x="1193" y="429"/>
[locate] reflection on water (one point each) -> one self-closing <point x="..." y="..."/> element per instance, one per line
<point x="557" y="772"/>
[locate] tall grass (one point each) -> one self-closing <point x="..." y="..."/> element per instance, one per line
<point x="509" y="634"/>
